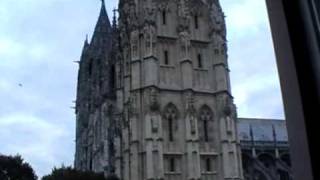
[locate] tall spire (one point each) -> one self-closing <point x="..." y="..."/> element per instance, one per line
<point x="114" y="21"/>
<point x="103" y="28"/>
<point x="103" y="8"/>
<point x="103" y="20"/>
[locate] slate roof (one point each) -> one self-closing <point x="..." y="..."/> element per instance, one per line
<point x="262" y="129"/>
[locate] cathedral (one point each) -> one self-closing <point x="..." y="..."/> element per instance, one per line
<point x="154" y="99"/>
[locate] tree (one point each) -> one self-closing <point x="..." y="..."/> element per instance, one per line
<point x="112" y="177"/>
<point x="14" y="168"/>
<point x="68" y="173"/>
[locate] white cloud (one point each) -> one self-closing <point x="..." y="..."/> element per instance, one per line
<point x="244" y="16"/>
<point x="254" y="76"/>
<point x="34" y="138"/>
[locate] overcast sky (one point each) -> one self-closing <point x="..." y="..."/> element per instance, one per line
<point x="39" y="40"/>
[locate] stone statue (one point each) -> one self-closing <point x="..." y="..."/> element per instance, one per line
<point x="185" y="41"/>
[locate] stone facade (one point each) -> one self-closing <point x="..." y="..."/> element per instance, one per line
<point x="154" y="98"/>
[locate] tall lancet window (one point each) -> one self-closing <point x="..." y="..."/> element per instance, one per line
<point x="196" y="21"/>
<point x="200" y="64"/>
<point x="170" y="122"/>
<point x="166" y="57"/>
<point x="164" y="17"/>
<point x="205" y="123"/>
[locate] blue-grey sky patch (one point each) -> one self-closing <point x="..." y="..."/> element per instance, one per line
<point x="39" y="40"/>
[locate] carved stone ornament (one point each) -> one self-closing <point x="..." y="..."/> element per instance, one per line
<point x="163" y="5"/>
<point x="228" y="107"/>
<point x="132" y="104"/>
<point x="217" y="20"/>
<point x="183" y="17"/>
<point x="190" y="103"/>
<point x="150" y="39"/>
<point x="150" y="13"/>
<point x="205" y="114"/>
<point x="134" y="44"/>
<point x="130" y="15"/>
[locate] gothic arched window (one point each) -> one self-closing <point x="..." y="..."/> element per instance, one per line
<point x="205" y="123"/>
<point x="170" y="123"/>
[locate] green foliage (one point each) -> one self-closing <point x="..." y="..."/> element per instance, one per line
<point x="14" y="168"/>
<point x="68" y="173"/>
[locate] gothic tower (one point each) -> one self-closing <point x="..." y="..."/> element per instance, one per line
<point x="96" y="99"/>
<point x="154" y="99"/>
<point x="175" y="110"/>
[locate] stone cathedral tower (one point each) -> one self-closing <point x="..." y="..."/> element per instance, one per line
<point x="154" y="99"/>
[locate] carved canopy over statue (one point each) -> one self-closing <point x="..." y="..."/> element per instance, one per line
<point x="183" y="16"/>
<point x="150" y="13"/>
<point x="134" y="44"/>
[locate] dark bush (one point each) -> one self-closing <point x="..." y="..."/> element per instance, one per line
<point x="14" y="168"/>
<point x="68" y="173"/>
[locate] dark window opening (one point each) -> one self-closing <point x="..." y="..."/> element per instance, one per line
<point x="205" y="128"/>
<point x="208" y="165"/>
<point x="90" y="164"/>
<point x="112" y="81"/>
<point x="170" y="129"/>
<point x="172" y="165"/>
<point x="199" y="61"/>
<point x="196" y="22"/>
<point x="164" y="17"/>
<point x="90" y="67"/>
<point x="166" y="57"/>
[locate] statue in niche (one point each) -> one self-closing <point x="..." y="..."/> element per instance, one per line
<point x="191" y="111"/>
<point x="150" y="39"/>
<point x="185" y="41"/>
<point x="228" y="114"/>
